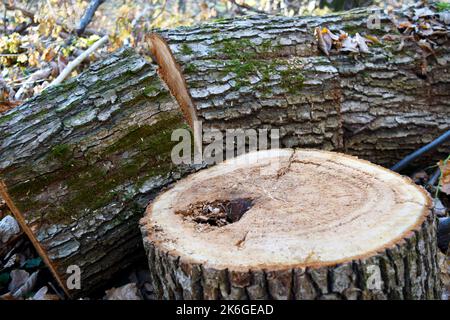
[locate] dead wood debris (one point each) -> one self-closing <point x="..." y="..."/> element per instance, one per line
<point x="422" y="26"/>
<point x="218" y="213"/>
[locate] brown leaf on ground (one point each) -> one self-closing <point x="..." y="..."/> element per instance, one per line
<point x="5" y="106"/>
<point x="18" y="279"/>
<point x="27" y="287"/>
<point x="42" y="294"/>
<point x="445" y="176"/>
<point x="126" y="292"/>
<point x="8" y="228"/>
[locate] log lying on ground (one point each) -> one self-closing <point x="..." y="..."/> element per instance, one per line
<point x="80" y="162"/>
<point x="320" y="225"/>
<point x="267" y="72"/>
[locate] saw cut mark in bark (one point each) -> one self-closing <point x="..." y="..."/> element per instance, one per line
<point x="170" y="72"/>
<point x="332" y="227"/>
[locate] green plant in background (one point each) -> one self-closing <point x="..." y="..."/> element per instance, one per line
<point x="443" y="6"/>
<point x="441" y="176"/>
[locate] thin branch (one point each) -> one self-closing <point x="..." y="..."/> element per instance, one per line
<point x="24" y="11"/>
<point x="52" y="11"/>
<point x="88" y="15"/>
<point x="5" y="12"/>
<point x="416" y="154"/>
<point x="441" y="176"/>
<point x="38" y="75"/>
<point x="434" y="177"/>
<point x="245" y="6"/>
<point x="72" y="65"/>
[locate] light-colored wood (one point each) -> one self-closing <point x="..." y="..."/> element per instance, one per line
<point x="310" y="210"/>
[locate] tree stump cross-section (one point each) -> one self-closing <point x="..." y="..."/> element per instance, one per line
<point x="322" y="225"/>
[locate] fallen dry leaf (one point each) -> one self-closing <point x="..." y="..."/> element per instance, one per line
<point x="373" y="39"/>
<point x="126" y="292"/>
<point x="361" y="43"/>
<point x="445" y="176"/>
<point x="27" y="287"/>
<point x="422" y="12"/>
<point x="445" y="17"/>
<point x="323" y="44"/>
<point x="18" y="279"/>
<point x="350" y="45"/>
<point x="426" y="46"/>
<point x="42" y="294"/>
<point x="5" y="106"/>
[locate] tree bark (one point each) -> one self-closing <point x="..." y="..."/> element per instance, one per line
<point x="268" y="72"/>
<point x="80" y="162"/>
<point x="373" y="239"/>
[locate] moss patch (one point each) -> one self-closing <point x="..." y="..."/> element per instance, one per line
<point x="292" y="80"/>
<point x="443" y="6"/>
<point x="142" y="153"/>
<point x="246" y="59"/>
<point x="190" y="68"/>
<point x="185" y="49"/>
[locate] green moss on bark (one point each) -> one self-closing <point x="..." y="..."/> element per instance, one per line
<point x="142" y="153"/>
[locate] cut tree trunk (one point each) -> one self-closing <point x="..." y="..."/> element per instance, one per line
<point x="284" y="224"/>
<point x="268" y="72"/>
<point x="80" y="162"/>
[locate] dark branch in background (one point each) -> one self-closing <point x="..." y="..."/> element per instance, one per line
<point x="434" y="177"/>
<point x="25" y="12"/>
<point x="416" y="154"/>
<point x="5" y="22"/>
<point x="88" y="15"/>
<point x="443" y="234"/>
<point x="247" y="7"/>
<point x="22" y="26"/>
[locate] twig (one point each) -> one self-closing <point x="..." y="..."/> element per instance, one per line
<point x="57" y="292"/>
<point x="25" y="12"/>
<point x="247" y="7"/>
<point x="88" y="15"/>
<point x="416" y="154"/>
<point x="52" y="11"/>
<point x="4" y="86"/>
<point x="31" y="15"/>
<point x="72" y="65"/>
<point x="441" y="176"/>
<point x="163" y="8"/>
<point x="9" y="54"/>
<point x="434" y="177"/>
<point x="38" y="75"/>
<point x="5" y="12"/>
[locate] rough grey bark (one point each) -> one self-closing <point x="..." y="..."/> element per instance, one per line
<point x="267" y="72"/>
<point x="407" y="270"/>
<point x="80" y="162"/>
